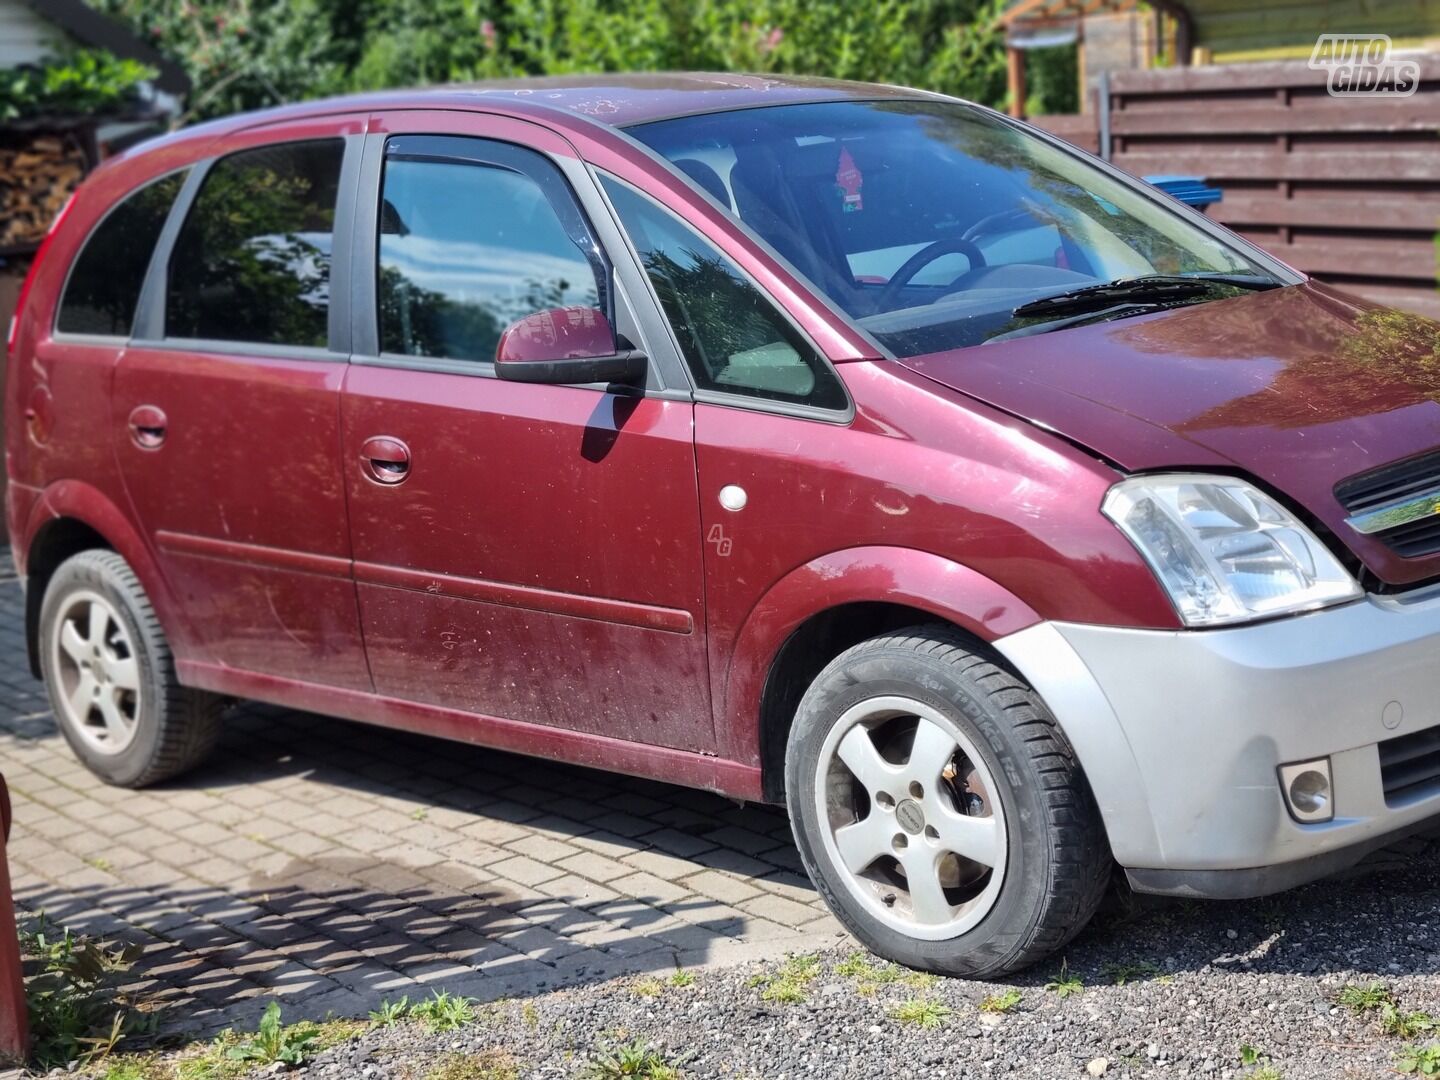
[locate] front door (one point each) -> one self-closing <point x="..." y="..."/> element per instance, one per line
<point x="521" y="551"/>
<point x="227" y="410"/>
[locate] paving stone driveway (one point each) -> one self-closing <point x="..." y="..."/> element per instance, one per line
<point x="333" y="864"/>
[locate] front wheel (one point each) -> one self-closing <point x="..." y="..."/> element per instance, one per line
<point x="940" y="810"/>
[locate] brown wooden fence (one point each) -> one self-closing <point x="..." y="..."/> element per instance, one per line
<point x="1345" y="188"/>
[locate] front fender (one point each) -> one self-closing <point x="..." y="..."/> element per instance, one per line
<point x="878" y="574"/>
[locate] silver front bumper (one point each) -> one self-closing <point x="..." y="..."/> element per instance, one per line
<point x="1181" y="732"/>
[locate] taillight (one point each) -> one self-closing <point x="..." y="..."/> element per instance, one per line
<point x="14" y="330"/>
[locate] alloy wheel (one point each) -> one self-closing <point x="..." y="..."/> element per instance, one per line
<point x="98" y="673"/>
<point x="911" y="817"/>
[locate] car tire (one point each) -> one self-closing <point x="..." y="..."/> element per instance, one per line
<point x="923" y="744"/>
<point x="111" y="677"/>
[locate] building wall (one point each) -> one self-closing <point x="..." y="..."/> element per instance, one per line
<point x="25" y="37"/>
<point x="1278" y="29"/>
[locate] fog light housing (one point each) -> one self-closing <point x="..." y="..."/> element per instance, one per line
<point x="1309" y="795"/>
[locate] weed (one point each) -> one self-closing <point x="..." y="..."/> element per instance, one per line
<point x="1265" y="1072"/>
<point x="135" y="1067"/>
<point x="649" y="987"/>
<point x="1249" y="1055"/>
<point x="787" y="985"/>
<point x="1064" y="984"/>
<point x="1120" y="974"/>
<point x="682" y="978"/>
<point x="442" y="1011"/>
<point x="1364" y="999"/>
<point x="212" y="1061"/>
<point x="1419" y="1060"/>
<point x="488" y="1065"/>
<point x="100" y="864"/>
<point x="530" y="1015"/>
<point x="390" y="1012"/>
<point x="1406" y="1025"/>
<point x="638" y="1059"/>
<point x="74" y="1014"/>
<point x="419" y="815"/>
<point x="1003" y="1002"/>
<point x="922" y="1012"/>
<point x="273" y="1041"/>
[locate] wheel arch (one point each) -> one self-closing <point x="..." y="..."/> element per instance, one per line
<point x="822" y="608"/>
<point x="70" y="517"/>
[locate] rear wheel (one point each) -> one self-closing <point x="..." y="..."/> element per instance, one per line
<point x="940" y="810"/>
<point x="112" y="679"/>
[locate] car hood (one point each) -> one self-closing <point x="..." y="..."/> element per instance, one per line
<point x="1300" y="387"/>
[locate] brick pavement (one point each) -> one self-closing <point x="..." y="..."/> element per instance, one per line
<point x="332" y="864"/>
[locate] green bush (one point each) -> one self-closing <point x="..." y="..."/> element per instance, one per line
<point x="85" y="81"/>
<point x="244" y="54"/>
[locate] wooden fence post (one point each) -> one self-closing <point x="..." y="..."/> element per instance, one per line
<point x="14" y="1028"/>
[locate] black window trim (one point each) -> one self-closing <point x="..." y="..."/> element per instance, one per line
<point x="573" y="183"/>
<point x="72" y="338"/>
<point x="748" y="402"/>
<point x="149" y="329"/>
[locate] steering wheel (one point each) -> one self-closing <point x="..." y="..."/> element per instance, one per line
<point x="923" y="258"/>
<point x="1004" y="221"/>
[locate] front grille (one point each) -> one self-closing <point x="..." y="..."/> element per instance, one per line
<point x="1410" y="765"/>
<point x="1395" y="483"/>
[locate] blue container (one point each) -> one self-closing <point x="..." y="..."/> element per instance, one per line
<point x="1188" y="189"/>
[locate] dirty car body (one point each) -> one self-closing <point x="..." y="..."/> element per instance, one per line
<point x="748" y="375"/>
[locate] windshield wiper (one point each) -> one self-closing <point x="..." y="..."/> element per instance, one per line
<point x="1152" y="288"/>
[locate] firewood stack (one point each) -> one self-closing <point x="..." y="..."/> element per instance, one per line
<point x="37" y="174"/>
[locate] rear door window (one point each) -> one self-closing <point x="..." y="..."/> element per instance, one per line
<point x="252" y="262"/>
<point x="104" y="286"/>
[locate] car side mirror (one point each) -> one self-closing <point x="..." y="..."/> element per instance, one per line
<point x="566" y="345"/>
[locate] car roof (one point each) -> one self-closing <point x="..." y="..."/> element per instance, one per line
<point x="611" y="100"/>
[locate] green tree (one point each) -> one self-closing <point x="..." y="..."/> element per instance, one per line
<point x="244" y="54"/>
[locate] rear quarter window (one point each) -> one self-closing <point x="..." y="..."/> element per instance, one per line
<point x="252" y="262"/>
<point x="104" y="285"/>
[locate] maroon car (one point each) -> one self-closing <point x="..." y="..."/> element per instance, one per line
<point x="837" y="445"/>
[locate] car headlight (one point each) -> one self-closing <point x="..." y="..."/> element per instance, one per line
<point x="1225" y="551"/>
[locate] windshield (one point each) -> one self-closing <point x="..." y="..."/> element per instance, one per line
<point x="930" y="222"/>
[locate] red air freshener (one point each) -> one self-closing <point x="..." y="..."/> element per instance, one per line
<point x="849" y="180"/>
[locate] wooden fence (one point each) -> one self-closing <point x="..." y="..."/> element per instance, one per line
<point x="1345" y="188"/>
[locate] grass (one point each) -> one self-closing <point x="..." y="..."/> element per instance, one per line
<point x="1064" y="984"/>
<point x="443" y="1011"/>
<point x="649" y="987"/>
<point x="921" y="1012"/>
<point x="1419" y="1060"/>
<point x="1363" y="999"/>
<point x="1003" y="1002"/>
<point x="1120" y="974"/>
<point x="870" y="977"/>
<point x="1405" y="1025"/>
<point x="75" y="1014"/>
<point x="390" y="1013"/>
<point x="636" y="1059"/>
<point x="136" y="1067"/>
<point x="488" y="1065"/>
<point x="787" y="985"/>
<point x="530" y="1015"/>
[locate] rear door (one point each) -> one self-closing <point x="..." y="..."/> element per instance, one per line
<point x="227" y="405"/>
<point x="522" y="551"/>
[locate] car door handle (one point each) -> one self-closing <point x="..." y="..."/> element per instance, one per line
<point x="385" y="460"/>
<point x="147" y="426"/>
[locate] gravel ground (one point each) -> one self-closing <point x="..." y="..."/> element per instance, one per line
<point x="1199" y="982"/>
